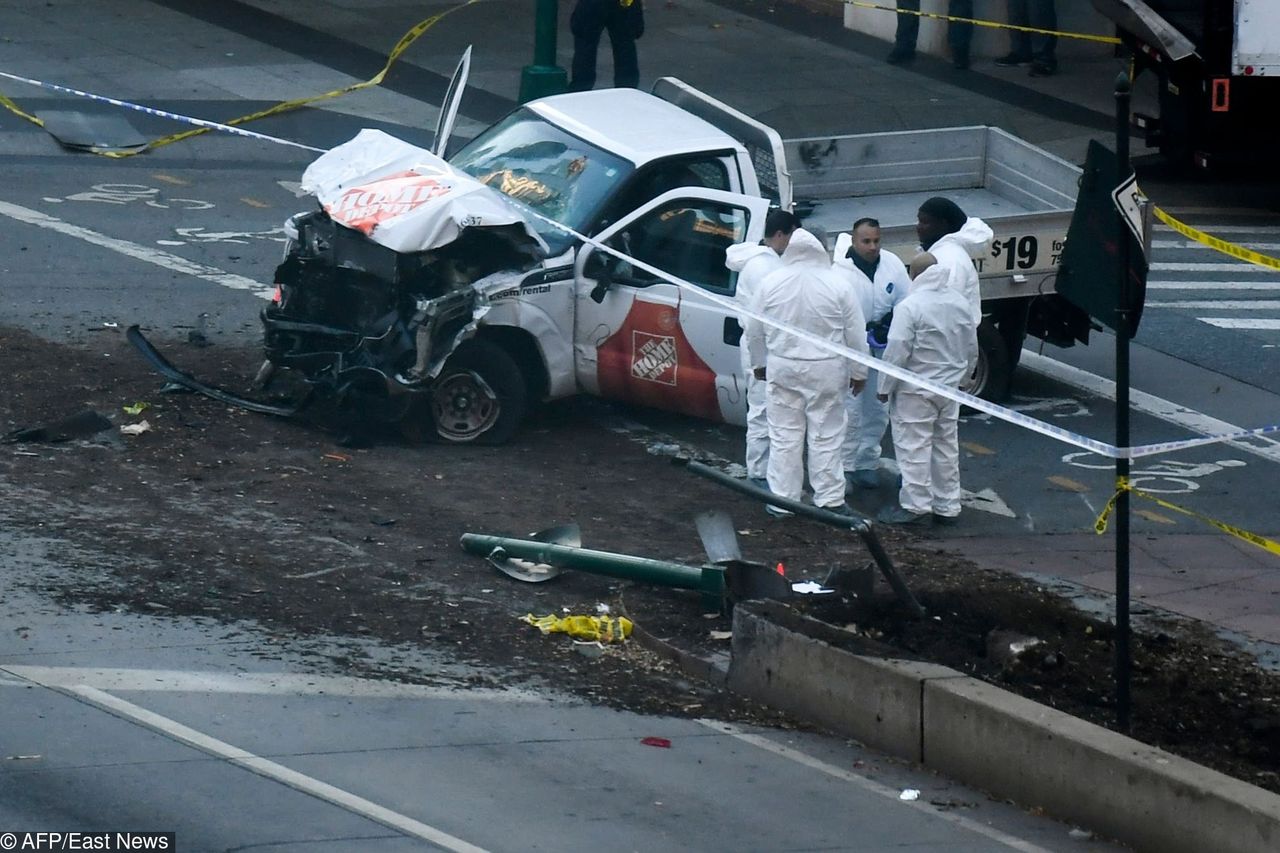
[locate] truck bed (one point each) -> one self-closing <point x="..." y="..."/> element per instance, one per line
<point x="983" y="169"/>
<point x="1024" y="193"/>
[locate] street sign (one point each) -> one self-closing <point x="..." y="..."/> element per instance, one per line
<point x="1090" y="276"/>
<point x="1131" y="203"/>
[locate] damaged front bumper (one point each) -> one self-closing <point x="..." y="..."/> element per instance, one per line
<point x="173" y="374"/>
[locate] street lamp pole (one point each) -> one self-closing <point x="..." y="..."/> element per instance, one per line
<point x="543" y="77"/>
<point x="1123" y="316"/>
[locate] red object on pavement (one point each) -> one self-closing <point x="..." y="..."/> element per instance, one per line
<point x="656" y="741"/>
<point x="781" y="570"/>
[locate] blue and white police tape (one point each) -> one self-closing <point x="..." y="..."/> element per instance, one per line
<point x="1005" y="414"/>
<point x="198" y="122"/>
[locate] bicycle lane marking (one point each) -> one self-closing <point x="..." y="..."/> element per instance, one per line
<point x="1158" y="407"/>
<point x="137" y="251"/>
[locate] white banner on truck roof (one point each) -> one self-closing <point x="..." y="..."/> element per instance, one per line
<point x="402" y="196"/>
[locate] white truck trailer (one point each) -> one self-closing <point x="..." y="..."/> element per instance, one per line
<point x="1217" y="69"/>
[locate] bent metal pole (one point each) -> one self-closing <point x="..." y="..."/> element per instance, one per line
<point x="857" y="524"/>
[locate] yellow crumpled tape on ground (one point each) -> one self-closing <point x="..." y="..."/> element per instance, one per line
<point x="1123" y="485"/>
<point x="604" y="629"/>
<point x="402" y="45"/>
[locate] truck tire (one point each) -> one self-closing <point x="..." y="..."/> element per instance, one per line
<point x="480" y="396"/>
<point x="990" y="378"/>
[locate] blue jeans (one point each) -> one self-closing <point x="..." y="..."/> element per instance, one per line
<point x="1040" y="14"/>
<point x="959" y="36"/>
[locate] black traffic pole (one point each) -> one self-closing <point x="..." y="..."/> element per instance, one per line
<point x="1122" y="418"/>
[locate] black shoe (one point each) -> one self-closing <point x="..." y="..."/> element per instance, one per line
<point x="839" y="509"/>
<point x="946" y="520"/>
<point x="898" y="515"/>
<point x="961" y="63"/>
<point x="1043" y="69"/>
<point x="1012" y="60"/>
<point x="899" y="56"/>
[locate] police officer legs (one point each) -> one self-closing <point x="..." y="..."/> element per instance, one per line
<point x="589" y="21"/>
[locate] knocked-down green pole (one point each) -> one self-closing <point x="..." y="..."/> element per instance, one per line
<point x="709" y="580"/>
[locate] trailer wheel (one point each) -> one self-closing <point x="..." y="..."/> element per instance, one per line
<point x="991" y="376"/>
<point x="480" y="396"/>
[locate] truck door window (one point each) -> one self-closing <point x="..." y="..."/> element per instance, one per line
<point x="687" y="238"/>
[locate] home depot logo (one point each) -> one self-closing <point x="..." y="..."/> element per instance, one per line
<point x="367" y="205"/>
<point x="653" y="357"/>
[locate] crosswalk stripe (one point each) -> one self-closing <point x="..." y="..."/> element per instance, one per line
<point x="1258" y="324"/>
<point x="1238" y="267"/>
<point x="1219" y="304"/>
<point x="1200" y="247"/>
<point x="1227" y="229"/>
<point x="1213" y="285"/>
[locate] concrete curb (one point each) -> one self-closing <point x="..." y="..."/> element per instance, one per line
<point x="1012" y="747"/>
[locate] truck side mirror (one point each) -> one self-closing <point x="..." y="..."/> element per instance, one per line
<point x="600" y="266"/>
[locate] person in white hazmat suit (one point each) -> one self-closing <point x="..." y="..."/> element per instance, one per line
<point x="880" y="279"/>
<point x="955" y="240"/>
<point x="933" y="335"/>
<point x="806" y="381"/>
<point x="752" y="262"/>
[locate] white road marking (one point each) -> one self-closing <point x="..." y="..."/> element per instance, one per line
<point x="261" y="683"/>
<point x="271" y="770"/>
<point x="872" y="786"/>
<point x="1166" y="410"/>
<point x="1236" y="267"/>
<point x="137" y="251"/>
<point x="1192" y="244"/>
<point x="1224" y="229"/>
<point x="1213" y="285"/>
<point x="1221" y="305"/>
<point x="988" y="501"/>
<point x="1254" y="324"/>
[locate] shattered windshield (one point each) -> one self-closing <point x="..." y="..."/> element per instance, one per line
<point x="543" y="167"/>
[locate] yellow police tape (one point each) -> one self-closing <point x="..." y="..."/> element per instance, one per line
<point x="1123" y="485"/>
<point x="14" y="108"/>
<point x="412" y="35"/>
<point x="605" y="629"/>
<point x="1227" y="248"/>
<point x="978" y="22"/>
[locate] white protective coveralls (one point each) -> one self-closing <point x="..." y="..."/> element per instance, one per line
<point x="868" y="417"/>
<point x="956" y="253"/>
<point x="752" y="262"/>
<point x="806" y="382"/>
<point x="933" y="334"/>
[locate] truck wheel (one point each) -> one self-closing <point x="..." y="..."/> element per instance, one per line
<point x="990" y="378"/>
<point x="480" y="396"/>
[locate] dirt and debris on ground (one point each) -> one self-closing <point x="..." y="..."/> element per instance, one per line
<point x="221" y="513"/>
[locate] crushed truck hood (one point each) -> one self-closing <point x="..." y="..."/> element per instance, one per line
<point x="404" y="197"/>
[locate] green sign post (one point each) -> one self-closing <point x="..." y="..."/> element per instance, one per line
<point x="543" y="77"/>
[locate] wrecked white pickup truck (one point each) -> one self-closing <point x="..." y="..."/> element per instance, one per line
<point x="458" y="293"/>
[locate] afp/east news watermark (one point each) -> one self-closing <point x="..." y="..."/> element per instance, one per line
<point x="87" y="841"/>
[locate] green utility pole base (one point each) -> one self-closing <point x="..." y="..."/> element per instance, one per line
<point x="539" y="81"/>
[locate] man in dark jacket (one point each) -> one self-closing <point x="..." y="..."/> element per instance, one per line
<point x="624" y="19"/>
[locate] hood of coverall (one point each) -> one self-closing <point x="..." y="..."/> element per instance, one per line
<point x="936" y="277"/>
<point x="739" y="255"/>
<point x="806" y="250"/>
<point x="973" y="237"/>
